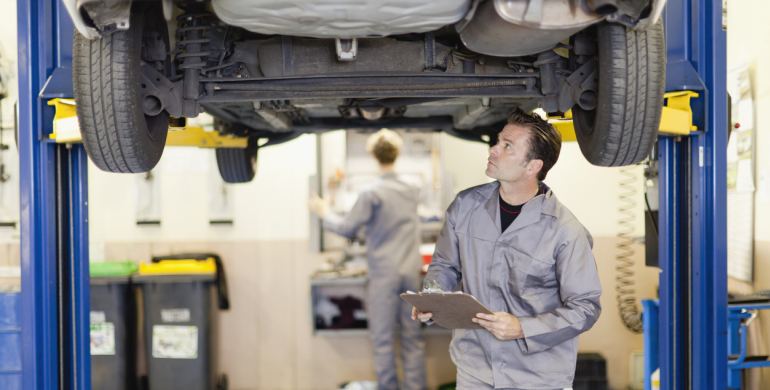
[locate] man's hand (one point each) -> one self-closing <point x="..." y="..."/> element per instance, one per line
<point x="424" y="317"/>
<point x="317" y="205"/>
<point x="502" y="325"/>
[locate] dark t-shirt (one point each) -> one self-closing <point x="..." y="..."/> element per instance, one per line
<point x="508" y="213"/>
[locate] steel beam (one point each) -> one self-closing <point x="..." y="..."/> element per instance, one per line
<point x="693" y="195"/>
<point x="53" y="196"/>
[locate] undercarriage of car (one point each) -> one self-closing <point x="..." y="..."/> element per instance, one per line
<point x="462" y="78"/>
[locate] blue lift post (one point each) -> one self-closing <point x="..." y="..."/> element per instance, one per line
<point x="693" y="199"/>
<point x="54" y="226"/>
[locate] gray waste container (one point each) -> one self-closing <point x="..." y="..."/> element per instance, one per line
<point x="113" y="326"/>
<point x="177" y="298"/>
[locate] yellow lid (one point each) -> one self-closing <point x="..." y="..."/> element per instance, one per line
<point x="179" y="267"/>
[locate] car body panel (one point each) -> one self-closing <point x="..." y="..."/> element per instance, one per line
<point x="545" y="14"/>
<point x="340" y="19"/>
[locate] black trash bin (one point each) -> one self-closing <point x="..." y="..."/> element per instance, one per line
<point x="113" y="326"/>
<point x="176" y="296"/>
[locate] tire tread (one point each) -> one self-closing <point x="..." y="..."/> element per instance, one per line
<point x="106" y="84"/>
<point x="627" y="124"/>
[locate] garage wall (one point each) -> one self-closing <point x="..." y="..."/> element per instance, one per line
<point x="748" y="33"/>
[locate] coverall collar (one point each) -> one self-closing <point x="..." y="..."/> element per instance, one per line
<point x="530" y="213"/>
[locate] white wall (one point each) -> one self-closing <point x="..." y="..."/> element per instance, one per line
<point x="748" y="37"/>
<point x="272" y="207"/>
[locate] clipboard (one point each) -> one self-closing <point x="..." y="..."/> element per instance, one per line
<point x="452" y="311"/>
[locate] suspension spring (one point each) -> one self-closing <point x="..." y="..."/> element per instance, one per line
<point x="624" y="279"/>
<point x="190" y="35"/>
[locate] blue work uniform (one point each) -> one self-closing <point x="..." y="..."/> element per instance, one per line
<point x="388" y="209"/>
<point x="540" y="269"/>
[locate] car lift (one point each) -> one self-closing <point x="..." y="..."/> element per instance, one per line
<point x="692" y="352"/>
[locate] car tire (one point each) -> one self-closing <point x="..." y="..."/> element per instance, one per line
<point x="237" y="165"/>
<point x="117" y="135"/>
<point x="631" y="67"/>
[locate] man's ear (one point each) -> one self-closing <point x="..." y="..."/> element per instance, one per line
<point x="534" y="167"/>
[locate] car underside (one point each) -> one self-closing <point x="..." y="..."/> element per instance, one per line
<point x="272" y="70"/>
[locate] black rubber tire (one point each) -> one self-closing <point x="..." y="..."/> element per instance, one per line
<point x="632" y="70"/>
<point x="237" y="165"/>
<point x="117" y="135"/>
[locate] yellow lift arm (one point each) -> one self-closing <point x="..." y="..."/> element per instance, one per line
<point x="66" y="130"/>
<point x="675" y="120"/>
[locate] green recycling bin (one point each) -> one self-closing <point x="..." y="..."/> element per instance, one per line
<point x="113" y="326"/>
<point x="177" y="295"/>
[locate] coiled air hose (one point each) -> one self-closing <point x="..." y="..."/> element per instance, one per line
<point x="624" y="279"/>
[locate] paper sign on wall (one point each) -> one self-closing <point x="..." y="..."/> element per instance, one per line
<point x="174" y="342"/>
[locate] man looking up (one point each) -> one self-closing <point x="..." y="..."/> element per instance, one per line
<point x="525" y="257"/>
<point x="388" y="209"/>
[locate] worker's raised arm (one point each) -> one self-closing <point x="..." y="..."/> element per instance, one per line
<point x="445" y="266"/>
<point x="358" y="216"/>
<point x="579" y="289"/>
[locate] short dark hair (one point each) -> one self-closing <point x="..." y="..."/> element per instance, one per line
<point x="544" y="139"/>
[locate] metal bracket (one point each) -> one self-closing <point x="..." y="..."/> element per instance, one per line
<point x="677" y="113"/>
<point x="347" y="49"/>
<point x="580" y="88"/>
<point x="159" y="93"/>
<point x="278" y="120"/>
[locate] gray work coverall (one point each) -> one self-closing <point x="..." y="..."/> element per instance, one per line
<point x="388" y="209"/>
<point x="540" y="269"/>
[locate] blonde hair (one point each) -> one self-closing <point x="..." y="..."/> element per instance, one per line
<point x="385" y="145"/>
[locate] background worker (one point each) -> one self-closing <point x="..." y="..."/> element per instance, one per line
<point x="388" y="209"/>
<point x="523" y="255"/>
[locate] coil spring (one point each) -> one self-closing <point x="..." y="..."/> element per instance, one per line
<point x="192" y="23"/>
<point x="629" y="312"/>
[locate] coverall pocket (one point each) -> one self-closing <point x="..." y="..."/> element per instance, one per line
<point x="559" y="358"/>
<point x="526" y="272"/>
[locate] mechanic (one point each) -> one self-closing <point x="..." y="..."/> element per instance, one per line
<point x="525" y="257"/>
<point x="388" y="209"/>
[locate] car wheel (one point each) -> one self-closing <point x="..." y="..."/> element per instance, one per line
<point x="631" y="68"/>
<point x="117" y="135"/>
<point x="237" y="165"/>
